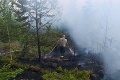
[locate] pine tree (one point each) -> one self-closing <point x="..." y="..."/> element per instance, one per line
<point x="6" y="22"/>
<point x="42" y="12"/>
<point x="21" y="12"/>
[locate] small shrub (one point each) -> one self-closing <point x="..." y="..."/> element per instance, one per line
<point x="34" y="68"/>
<point x="2" y="45"/>
<point x="9" y="74"/>
<point x="45" y="49"/>
<point x="5" y="60"/>
<point x="65" y="74"/>
<point x="15" y="65"/>
<point x="30" y="53"/>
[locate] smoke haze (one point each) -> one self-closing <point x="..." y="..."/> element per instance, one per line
<point x="95" y="25"/>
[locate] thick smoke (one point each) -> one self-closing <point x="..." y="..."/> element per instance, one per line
<point x="95" y="25"/>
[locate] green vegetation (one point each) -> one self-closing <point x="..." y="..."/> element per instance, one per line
<point x="9" y="75"/>
<point x="64" y="74"/>
<point x="8" y="72"/>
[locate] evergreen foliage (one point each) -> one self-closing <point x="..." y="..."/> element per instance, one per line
<point x="65" y="74"/>
<point x="6" y="73"/>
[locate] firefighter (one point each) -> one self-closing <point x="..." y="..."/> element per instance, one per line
<point x="62" y="44"/>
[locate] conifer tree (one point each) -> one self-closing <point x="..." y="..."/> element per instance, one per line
<point x="40" y="13"/>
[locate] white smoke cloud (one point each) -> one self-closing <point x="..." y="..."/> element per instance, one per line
<point x="95" y="25"/>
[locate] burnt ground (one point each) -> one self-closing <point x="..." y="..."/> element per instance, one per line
<point x="81" y="60"/>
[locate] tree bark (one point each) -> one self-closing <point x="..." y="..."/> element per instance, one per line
<point x="38" y="37"/>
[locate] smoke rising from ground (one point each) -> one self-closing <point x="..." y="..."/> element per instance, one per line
<point x="95" y="25"/>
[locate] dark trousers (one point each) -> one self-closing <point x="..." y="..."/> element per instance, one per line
<point x="62" y="50"/>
